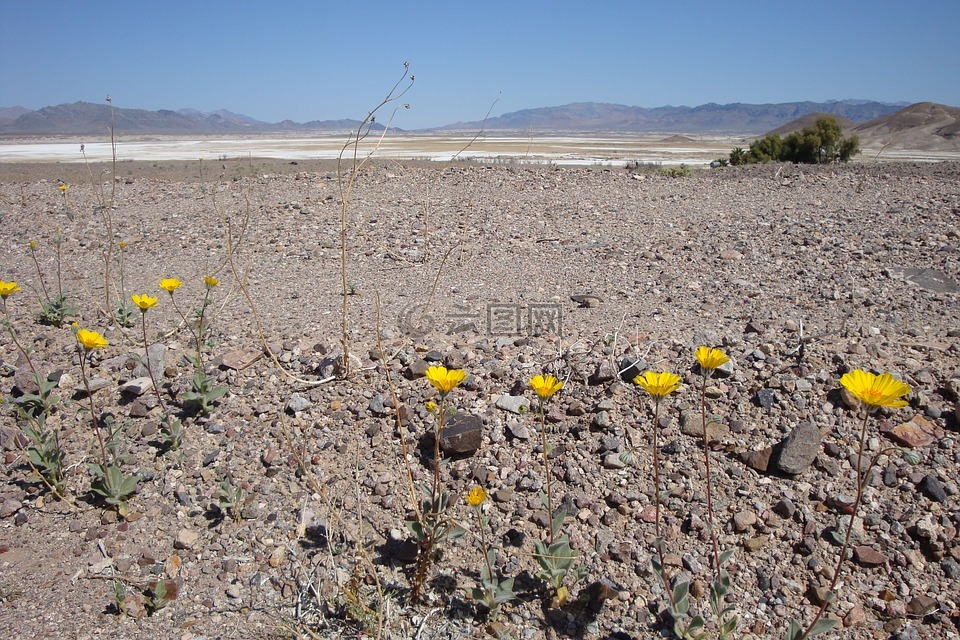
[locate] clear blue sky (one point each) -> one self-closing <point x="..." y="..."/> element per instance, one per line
<point x="307" y="60"/>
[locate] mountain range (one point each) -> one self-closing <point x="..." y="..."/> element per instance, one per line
<point x="85" y="118"/>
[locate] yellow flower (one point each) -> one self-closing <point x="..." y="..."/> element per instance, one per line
<point x="710" y="359"/>
<point x="658" y="384"/>
<point x="431" y="406"/>
<point x="545" y="386"/>
<point x="122" y="245"/>
<point x="8" y="288"/>
<point x="210" y="281"/>
<point x="876" y="391"/>
<point x="144" y="301"/>
<point x="32" y="245"/>
<point x="445" y="379"/>
<point x="476" y="496"/>
<point x="170" y="284"/>
<point x="91" y="340"/>
<point x="64" y="187"/>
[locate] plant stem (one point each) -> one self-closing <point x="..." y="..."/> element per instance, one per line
<point x="36" y="263"/>
<point x="546" y="471"/>
<point x="861" y="479"/>
<point x="657" y="526"/>
<point x="93" y="417"/>
<point x="13" y="336"/>
<point x="146" y="352"/>
<point x="706" y="459"/>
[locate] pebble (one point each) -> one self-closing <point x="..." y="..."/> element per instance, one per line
<point x="186" y="539"/>
<point x="931" y="487"/>
<point x="799" y="449"/>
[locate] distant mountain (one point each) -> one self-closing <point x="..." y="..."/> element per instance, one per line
<point x="9" y="114"/>
<point x="86" y="118"/>
<point x="809" y="120"/>
<point x="925" y="126"/>
<point x="707" y="118"/>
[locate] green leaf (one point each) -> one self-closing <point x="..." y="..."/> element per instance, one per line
<point x="696" y="624"/>
<point x="727" y="627"/>
<point x="823" y="625"/>
<point x="794" y="631"/>
<point x="556" y="523"/>
<point x="726" y="555"/>
<point x="681" y="591"/>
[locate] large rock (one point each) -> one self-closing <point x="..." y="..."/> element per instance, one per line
<point x="918" y="432"/>
<point x="158" y="361"/>
<point x="462" y="434"/>
<point x="799" y="449"/>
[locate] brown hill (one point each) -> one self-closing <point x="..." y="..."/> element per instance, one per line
<point x="925" y="126"/>
<point x="809" y="120"/>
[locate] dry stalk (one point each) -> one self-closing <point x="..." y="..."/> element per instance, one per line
<point x="346" y="189"/>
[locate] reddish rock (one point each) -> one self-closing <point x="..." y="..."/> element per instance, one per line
<point x="869" y="557"/>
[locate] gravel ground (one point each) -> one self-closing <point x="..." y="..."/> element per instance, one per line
<point x="799" y="273"/>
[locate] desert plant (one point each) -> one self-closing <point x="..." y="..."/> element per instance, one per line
<point x="108" y="483"/>
<point x="680" y="171"/>
<point x="171" y="428"/>
<point x="230" y="498"/>
<point x="431" y="524"/>
<point x="53" y="309"/>
<point x="493" y="591"/>
<point x="204" y="391"/>
<point x="124" y="313"/>
<point x="345" y="182"/>
<point x="554" y="554"/>
<point x="873" y="391"/>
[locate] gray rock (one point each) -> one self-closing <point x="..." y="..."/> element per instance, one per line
<point x="613" y="461"/>
<point x="799" y="449"/>
<point x="137" y="386"/>
<point x="766" y="398"/>
<point x="513" y="404"/>
<point x="725" y="370"/>
<point x="932" y="488"/>
<point x="462" y="433"/>
<point x="297" y="403"/>
<point x="951" y="568"/>
<point x="157" y="354"/>
<point x="519" y="430"/>
<point x="96" y="384"/>
<point x="601" y="420"/>
<point x="631" y="367"/>
<point x="605" y="372"/>
<point x="378" y="405"/>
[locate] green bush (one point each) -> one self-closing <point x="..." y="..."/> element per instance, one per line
<point x="824" y="142"/>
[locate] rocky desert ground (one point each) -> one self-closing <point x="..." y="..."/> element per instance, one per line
<point x="800" y="274"/>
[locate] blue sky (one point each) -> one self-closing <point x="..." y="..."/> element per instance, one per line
<point x="306" y="60"/>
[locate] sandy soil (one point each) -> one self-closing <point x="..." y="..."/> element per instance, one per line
<point x="505" y="271"/>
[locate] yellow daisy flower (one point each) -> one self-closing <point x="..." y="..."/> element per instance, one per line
<point x="545" y="386"/>
<point x="876" y="391"/>
<point x="658" y="384"/>
<point x="445" y="380"/>
<point x="91" y="340"/>
<point x="143" y="301"/>
<point x="476" y="496"/>
<point x="710" y="359"/>
<point x="210" y="281"/>
<point x="8" y="288"/>
<point x="170" y="284"/>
